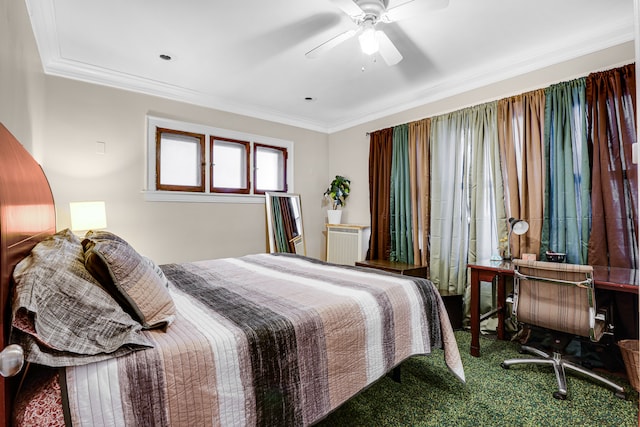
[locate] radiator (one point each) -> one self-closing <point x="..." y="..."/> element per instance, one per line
<point x="347" y="244"/>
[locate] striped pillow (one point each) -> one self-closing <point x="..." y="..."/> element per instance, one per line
<point x="129" y="278"/>
<point x="61" y="315"/>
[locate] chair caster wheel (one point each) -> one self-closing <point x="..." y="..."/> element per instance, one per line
<point x="559" y="396"/>
<point x="621" y="395"/>
<point x="504" y="365"/>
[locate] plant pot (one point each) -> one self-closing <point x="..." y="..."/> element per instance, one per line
<point x="334" y="216"/>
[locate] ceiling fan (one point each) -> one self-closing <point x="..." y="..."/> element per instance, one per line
<point x="366" y="14"/>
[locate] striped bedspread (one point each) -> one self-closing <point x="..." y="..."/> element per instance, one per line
<point x="264" y="340"/>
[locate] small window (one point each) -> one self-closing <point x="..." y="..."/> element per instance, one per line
<point x="189" y="162"/>
<point x="179" y="160"/>
<point x="270" y="173"/>
<point x="229" y="166"/>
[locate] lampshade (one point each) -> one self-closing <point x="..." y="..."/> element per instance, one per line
<point x="518" y="226"/>
<point x="88" y="215"/>
<point x="368" y="39"/>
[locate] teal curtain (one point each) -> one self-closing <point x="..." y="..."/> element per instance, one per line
<point x="400" y="198"/>
<point x="566" y="225"/>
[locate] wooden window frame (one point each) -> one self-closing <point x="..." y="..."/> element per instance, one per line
<point x="169" y="193"/>
<point x="285" y="152"/>
<point x="247" y="148"/>
<point x="188" y="188"/>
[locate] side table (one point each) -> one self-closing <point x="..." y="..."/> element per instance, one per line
<point x="396" y="267"/>
<point x="452" y="301"/>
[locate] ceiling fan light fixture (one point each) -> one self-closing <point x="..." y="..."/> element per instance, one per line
<point x="368" y="39"/>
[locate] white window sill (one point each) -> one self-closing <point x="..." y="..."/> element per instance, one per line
<point x="175" y="196"/>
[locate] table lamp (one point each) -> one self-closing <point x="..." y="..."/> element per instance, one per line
<point x="88" y="215"/>
<point x="518" y="226"/>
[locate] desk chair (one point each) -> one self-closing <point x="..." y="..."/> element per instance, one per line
<point x="559" y="297"/>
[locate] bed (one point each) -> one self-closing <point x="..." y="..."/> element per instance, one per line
<point x="266" y="339"/>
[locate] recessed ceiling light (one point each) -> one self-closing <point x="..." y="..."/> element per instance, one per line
<point x="165" y="57"/>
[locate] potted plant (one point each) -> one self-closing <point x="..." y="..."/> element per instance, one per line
<point x="337" y="193"/>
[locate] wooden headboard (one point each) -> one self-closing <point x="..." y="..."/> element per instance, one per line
<point x="27" y="215"/>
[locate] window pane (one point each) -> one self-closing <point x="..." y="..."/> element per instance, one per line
<point x="230" y="164"/>
<point x="270" y="168"/>
<point x="179" y="160"/>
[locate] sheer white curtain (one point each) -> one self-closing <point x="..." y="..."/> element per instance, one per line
<point x="467" y="194"/>
<point x="487" y="194"/>
<point x="450" y="199"/>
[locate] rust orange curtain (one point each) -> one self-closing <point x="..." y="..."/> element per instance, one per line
<point x="420" y="173"/>
<point x="611" y="101"/>
<point x="380" y="161"/>
<point x="520" y="137"/>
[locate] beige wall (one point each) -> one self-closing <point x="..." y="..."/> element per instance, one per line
<point x="80" y="114"/>
<point x="60" y="121"/>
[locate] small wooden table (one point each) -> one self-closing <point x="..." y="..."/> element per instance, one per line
<point x="396" y="267"/>
<point x="452" y="302"/>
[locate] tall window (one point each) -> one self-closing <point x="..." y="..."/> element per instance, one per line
<point x="233" y="167"/>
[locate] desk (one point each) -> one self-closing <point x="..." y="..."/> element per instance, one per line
<point x="610" y="278"/>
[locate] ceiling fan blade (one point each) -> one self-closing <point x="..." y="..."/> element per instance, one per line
<point x="330" y="44"/>
<point x="413" y="8"/>
<point x="388" y="51"/>
<point x="348" y="7"/>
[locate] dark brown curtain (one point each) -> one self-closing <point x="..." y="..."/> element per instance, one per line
<point x="611" y="106"/>
<point x="380" y="158"/>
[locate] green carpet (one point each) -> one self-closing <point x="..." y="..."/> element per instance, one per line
<point x="429" y="395"/>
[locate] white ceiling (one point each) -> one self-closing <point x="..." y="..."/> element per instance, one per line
<point x="248" y="56"/>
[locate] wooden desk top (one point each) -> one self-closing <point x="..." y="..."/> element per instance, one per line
<point x="503" y="266"/>
<point x="614" y="278"/>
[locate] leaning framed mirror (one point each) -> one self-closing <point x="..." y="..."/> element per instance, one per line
<point x="284" y="223"/>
